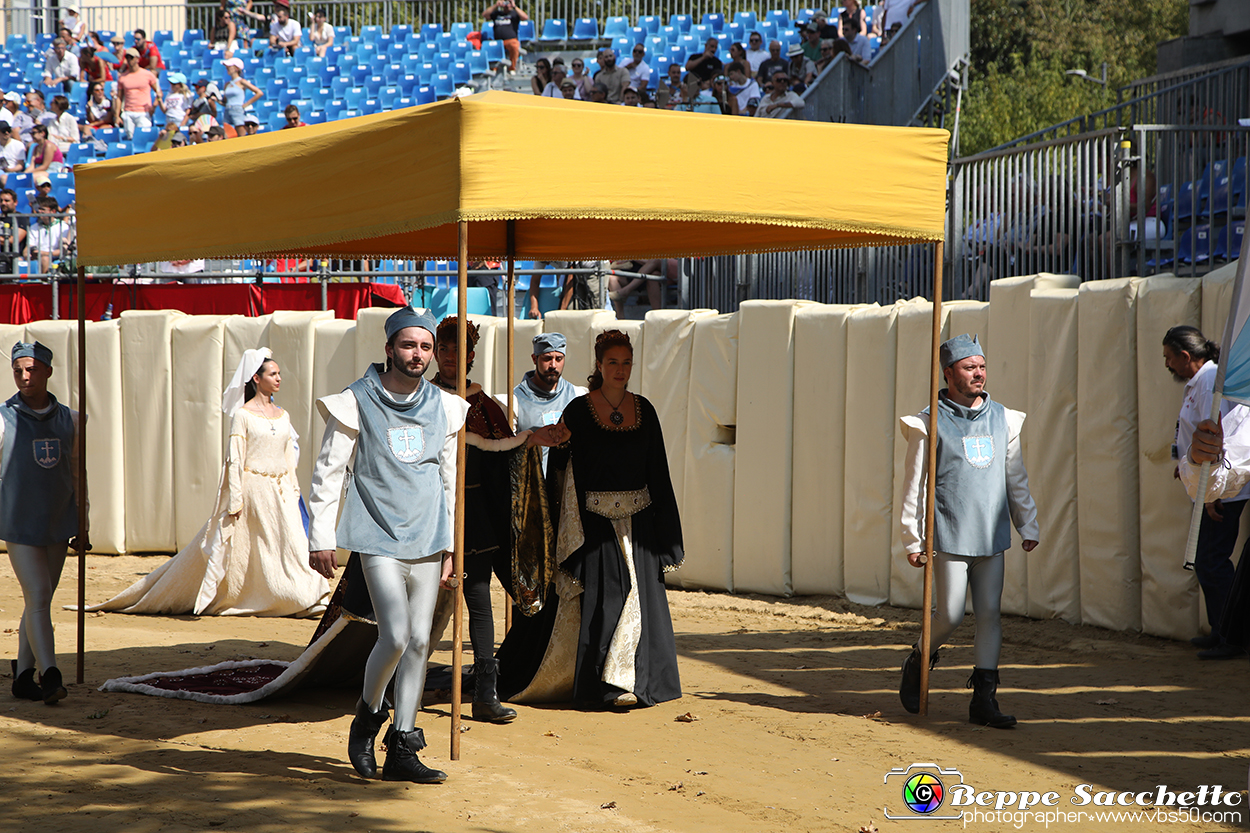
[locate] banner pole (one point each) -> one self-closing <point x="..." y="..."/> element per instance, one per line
<point x="462" y="356"/>
<point x="926" y="605"/>
<point x="81" y="495"/>
<point x="507" y="613"/>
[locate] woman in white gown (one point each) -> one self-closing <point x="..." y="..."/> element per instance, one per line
<point x="251" y="558"/>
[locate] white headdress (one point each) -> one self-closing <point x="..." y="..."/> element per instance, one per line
<point x="248" y="365"/>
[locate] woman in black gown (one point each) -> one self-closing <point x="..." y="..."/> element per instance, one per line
<point x="604" y="636"/>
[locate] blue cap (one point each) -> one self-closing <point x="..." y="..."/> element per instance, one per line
<point x="177" y="78"/>
<point x="36" y="351"/>
<point x="959" y="347"/>
<point x="408" y="317"/>
<point x="549" y="343"/>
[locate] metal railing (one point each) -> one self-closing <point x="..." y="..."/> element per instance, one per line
<point x="902" y="79"/>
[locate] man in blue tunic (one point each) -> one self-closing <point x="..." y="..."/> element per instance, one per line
<point x="397" y="516"/>
<point x="38" y="511"/>
<point x="982" y="490"/>
<point x="543" y="393"/>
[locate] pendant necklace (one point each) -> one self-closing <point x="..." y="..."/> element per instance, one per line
<point x="616" y="417"/>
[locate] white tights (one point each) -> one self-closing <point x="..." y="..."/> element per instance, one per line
<point x="403" y="594"/>
<point x="38" y="571"/>
<point x="952" y="574"/>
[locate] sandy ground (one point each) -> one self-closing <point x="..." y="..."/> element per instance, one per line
<point x="797" y="723"/>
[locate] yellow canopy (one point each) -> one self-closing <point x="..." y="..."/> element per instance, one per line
<point x="581" y="180"/>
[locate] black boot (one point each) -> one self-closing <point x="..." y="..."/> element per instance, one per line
<point x="909" y="687"/>
<point x="360" y="738"/>
<point x="983" y="710"/>
<point x="402" y="763"/>
<point x="51" y="685"/>
<point x="24" y="685"/>
<point x="486" y="705"/>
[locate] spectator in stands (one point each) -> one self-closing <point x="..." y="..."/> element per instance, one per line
<point x="801" y="69"/>
<point x="639" y="69"/>
<point x="857" y="46"/>
<point x="284" y="32"/>
<point x="48" y="235"/>
<point x="542" y="76"/>
<point x="169" y="137"/>
<point x="99" y="112"/>
<point x="64" y="129"/>
<point x="506" y="19"/>
<point x="60" y="66"/>
<point x="615" y="79"/>
<point x="852" y="19"/>
<point x="12" y="227"/>
<point x="891" y="15"/>
<point x="630" y="98"/>
<point x="12" y="153"/>
<point x="738" y="52"/>
<point x="756" y="53"/>
<point x="178" y="102"/>
<point x="321" y="34"/>
<point x="217" y="133"/>
<point x="149" y="56"/>
<point x="12" y="108"/>
<point x="240" y="12"/>
<point x="772" y="63"/>
<point x="599" y="93"/>
<point x="92" y="68"/>
<point x="744" y="93"/>
<point x="203" y="112"/>
<point x="828" y="31"/>
<point x="292" y="117"/>
<point x="811" y="41"/>
<point x="581" y="80"/>
<point x="224" y="30"/>
<point x="133" y="94"/>
<point x="35" y="106"/>
<point x="671" y="91"/>
<point x="553" y="88"/>
<point x="74" y="24"/>
<point x="705" y="66"/>
<point x="117" y="45"/>
<point x="235" y="94"/>
<point x="568" y="89"/>
<point x="44" y="154"/>
<point x="781" y="100"/>
<point x="251" y="125"/>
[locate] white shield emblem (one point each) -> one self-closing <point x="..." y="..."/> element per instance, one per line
<point x="979" y="451"/>
<point x="47" y="452"/>
<point x="406" y="442"/>
<point x="551" y="417"/>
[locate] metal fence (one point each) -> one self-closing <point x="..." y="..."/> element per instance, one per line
<point x="902" y="79"/>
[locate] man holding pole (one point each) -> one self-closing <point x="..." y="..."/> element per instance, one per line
<point x="981" y="489"/>
<point x="398" y="515"/>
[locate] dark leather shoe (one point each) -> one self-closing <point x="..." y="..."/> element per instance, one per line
<point x="360" y="738"/>
<point x="1204" y="642"/>
<point x="1223" y="651"/>
<point x="402" y="763"/>
<point x="24" y="685"/>
<point x="52" y="686"/>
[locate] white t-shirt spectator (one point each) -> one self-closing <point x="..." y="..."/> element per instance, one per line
<point x="76" y="25"/>
<point x="639" y="75"/>
<point x="64" y="131"/>
<point x="893" y="11"/>
<point x="14" y="153"/>
<point x="47" y="238"/>
<point x="175" y="108"/>
<point x="748" y="94"/>
<point x="770" y="109"/>
<point x="860" y="47"/>
<point x="64" y="67"/>
<point x="756" y="57"/>
<point x="552" y="91"/>
<point x="284" y="33"/>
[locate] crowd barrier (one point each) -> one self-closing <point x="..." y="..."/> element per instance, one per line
<point x="781" y="423"/>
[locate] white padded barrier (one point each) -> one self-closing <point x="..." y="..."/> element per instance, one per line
<point x="578" y="327"/>
<point x="106" y="459"/>
<point x="969" y="317"/>
<point x="764" y="446"/>
<point x="870" y="423"/>
<point x="371" y="339"/>
<point x="1107" y="478"/>
<point x="1054" y="583"/>
<point x="708" y="522"/>
<point x="490" y="329"/>
<point x="820" y="362"/>
<point x="197" y="353"/>
<point x="666" y="370"/>
<point x="292" y="336"/>
<point x="148" y="424"/>
<point x="1169" y="593"/>
<point x="523" y="332"/>
<point x="913" y="372"/>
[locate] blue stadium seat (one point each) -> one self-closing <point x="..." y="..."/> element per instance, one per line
<point x="1228" y="246"/>
<point x="767" y="30"/>
<point x="614" y="27"/>
<point x="431" y="31"/>
<point x="478" y="64"/>
<point x="308" y="86"/>
<point x="374" y="83"/>
<point x="714" y="20"/>
<point x="359" y="73"/>
<point x="334" y="109"/>
<point x="384" y="42"/>
<point x="442" y="85"/>
<point x="108" y="135"/>
<point x="487" y="31"/>
<point x="780" y="17"/>
<point x="340" y="85"/>
<point x="189" y="36"/>
<point x="651" y="23"/>
<point x="1195" y="245"/>
<point x="277" y="121"/>
<point x="460" y="31"/>
<point x="460" y="50"/>
<point x="77" y="153"/>
<point x="586" y="28"/>
<point x="445" y="42"/>
<point x="15" y="42"/>
<point x="554" y="31"/>
<point x="370" y="34"/>
<point x="144" y="137"/>
<point x="412" y="43"/>
<point x="321" y="97"/>
<point x="425" y="95"/>
<point x="1217" y="200"/>
<point x="119" y="149"/>
<point x="313" y="116"/>
<point x="287" y="96"/>
<point x="493" y="50"/>
<point x="1186" y="199"/>
<point x="400" y="32"/>
<point x="681" y="22"/>
<point x="370" y="106"/>
<point x="396" y="52"/>
<point x="429" y="51"/>
<point x="701" y="32"/>
<point x="525" y="32"/>
<point x="460" y="73"/>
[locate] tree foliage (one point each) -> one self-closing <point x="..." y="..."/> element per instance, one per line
<point x="1021" y="48"/>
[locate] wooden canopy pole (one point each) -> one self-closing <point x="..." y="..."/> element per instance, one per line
<point x="457" y="616"/>
<point x="926" y="605"/>
<point x="507" y="613"/>
<point x="81" y="540"/>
